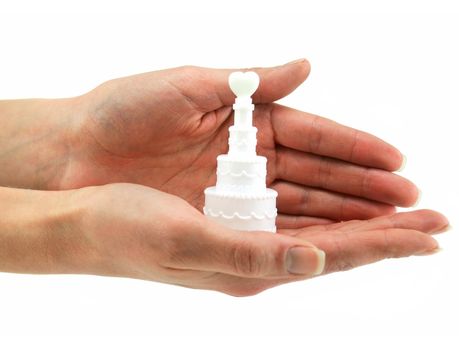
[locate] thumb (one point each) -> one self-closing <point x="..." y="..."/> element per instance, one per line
<point x="251" y="254"/>
<point x="208" y="87"/>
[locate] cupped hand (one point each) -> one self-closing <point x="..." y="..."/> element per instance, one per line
<point x="135" y="231"/>
<point x="165" y="129"/>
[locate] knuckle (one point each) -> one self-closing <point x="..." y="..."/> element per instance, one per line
<point x="387" y="246"/>
<point x="173" y="253"/>
<point x="247" y="260"/>
<point x="324" y="175"/>
<point x="315" y="135"/>
<point x="366" y="182"/>
<point x="179" y="244"/>
<point x="341" y="261"/>
<point x="353" y="146"/>
<point x="305" y="198"/>
<point x="340" y="265"/>
<point x="188" y="70"/>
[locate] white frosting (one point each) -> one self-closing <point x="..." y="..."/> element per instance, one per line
<point x="242" y="141"/>
<point x="241" y="176"/>
<point x="250" y="211"/>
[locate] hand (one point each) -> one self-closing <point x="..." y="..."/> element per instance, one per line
<point x="135" y="231"/>
<point x="164" y="129"/>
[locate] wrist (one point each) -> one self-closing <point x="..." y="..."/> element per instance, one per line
<point x="35" y="140"/>
<point x="39" y="231"/>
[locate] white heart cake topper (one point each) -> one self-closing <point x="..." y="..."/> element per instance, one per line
<point x="244" y="84"/>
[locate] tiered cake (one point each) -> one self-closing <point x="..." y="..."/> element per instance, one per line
<point x="240" y="199"/>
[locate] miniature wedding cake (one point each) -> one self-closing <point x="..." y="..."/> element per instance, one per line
<point x="240" y="199"/>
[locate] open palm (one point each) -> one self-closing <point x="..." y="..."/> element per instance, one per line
<point x="129" y="231"/>
<point x="164" y="129"/>
<point x="347" y="245"/>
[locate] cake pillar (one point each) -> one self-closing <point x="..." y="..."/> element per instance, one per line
<point x="243" y="109"/>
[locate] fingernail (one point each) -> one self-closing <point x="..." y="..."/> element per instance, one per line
<point x="305" y="261"/>
<point x="402" y="166"/>
<point x="418" y="200"/>
<point x="295" y="61"/>
<point x="445" y="229"/>
<point x="429" y="252"/>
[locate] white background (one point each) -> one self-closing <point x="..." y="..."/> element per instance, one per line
<point x="388" y="69"/>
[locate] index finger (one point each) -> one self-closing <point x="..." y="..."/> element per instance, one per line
<point x="314" y="134"/>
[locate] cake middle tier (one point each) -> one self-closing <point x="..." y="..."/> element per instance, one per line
<point x="241" y="175"/>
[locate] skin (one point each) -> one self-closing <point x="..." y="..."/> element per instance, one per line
<point x="165" y="129"/>
<point x="161" y="132"/>
<point x="127" y="230"/>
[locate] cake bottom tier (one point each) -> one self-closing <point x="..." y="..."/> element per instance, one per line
<point x="245" y="212"/>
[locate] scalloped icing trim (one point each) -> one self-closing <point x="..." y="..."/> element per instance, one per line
<point x="239" y="216"/>
<point x="242" y="173"/>
<point x="262" y="196"/>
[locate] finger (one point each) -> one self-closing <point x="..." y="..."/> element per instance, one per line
<point x="207" y="88"/>
<point x="338" y="176"/>
<point x="289" y="222"/>
<point x="351" y="250"/>
<point x="399" y="237"/>
<point x="346" y="251"/>
<point x="311" y="133"/>
<point x="424" y="220"/>
<point x="295" y="199"/>
<point x="245" y="254"/>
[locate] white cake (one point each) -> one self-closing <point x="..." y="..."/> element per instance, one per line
<point x="240" y="199"/>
